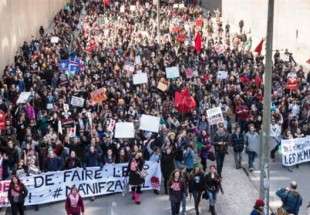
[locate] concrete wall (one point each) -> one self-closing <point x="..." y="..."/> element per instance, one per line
<point x="291" y="22"/>
<point x="21" y="19"/>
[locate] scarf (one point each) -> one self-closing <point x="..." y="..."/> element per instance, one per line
<point x="74" y="200"/>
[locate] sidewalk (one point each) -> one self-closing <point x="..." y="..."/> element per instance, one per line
<point x="281" y="177"/>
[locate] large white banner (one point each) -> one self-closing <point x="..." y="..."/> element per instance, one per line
<point x="295" y="151"/>
<point x="93" y="181"/>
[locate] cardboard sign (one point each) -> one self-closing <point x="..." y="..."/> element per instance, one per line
<point x="139" y="78"/>
<point x="77" y="101"/>
<point x="23" y="98"/>
<point x="98" y="96"/>
<point x="222" y="75"/>
<point x="163" y="85"/>
<point x="172" y="72"/>
<point x="124" y="130"/>
<point x="149" y="123"/>
<point x="54" y="39"/>
<point x="215" y="116"/>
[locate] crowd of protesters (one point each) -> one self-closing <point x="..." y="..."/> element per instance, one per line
<point x="106" y="37"/>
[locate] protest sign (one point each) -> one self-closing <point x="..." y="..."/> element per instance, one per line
<point x="124" y="130"/>
<point x="129" y="68"/>
<point x="77" y="101"/>
<point x="215" y="116"/>
<point x="98" y="96"/>
<point x="122" y="9"/>
<point x="172" y="72"/>
<point x="91" y="181"/>
<point x="23" y="98"/>
<point x="139" y="78"/>
<point x="138" y="60"/>
<point x="295" y="151"/>
<point x="149" y="123"/>
<point x="111" y="125"/>
<point x="132" y="7"/>
<point x="163" y="85"/>
<point x="54" y="39"/>
<point x="222" y="75"/>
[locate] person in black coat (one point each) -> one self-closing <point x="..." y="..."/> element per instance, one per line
<point x="93" y="158"/>
<point x="53" y="162"/>
<point x="4" y="166"/>
<point x="237" y="140"/>
<point x="16" y="194"/>
<point x="136" y="176"/>
<point x="220" y="142"/>
<point x="167" y="166"/>
<point x="197" y="186"/>
<point x="213" y="186"/>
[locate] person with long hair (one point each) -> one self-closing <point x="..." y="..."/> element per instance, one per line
<point x="136" y="176"/>
<point x="177" y="189"/>
<point x="197" y="185"/>
<point x="74" y="203"/>
<point x="16" y="194"/>
<point x="213" y="186"/>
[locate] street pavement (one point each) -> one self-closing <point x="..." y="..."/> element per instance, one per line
<point x="238" y="199"/>
<point x="281" y="177"/>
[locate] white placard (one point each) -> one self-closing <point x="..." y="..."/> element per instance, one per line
<point x="91" y="181"/>
<point x="149" y="123"/>
<point x="172" y="72"/>
<point x="124" y="130"/>
<point x="139" y="78"/>
<point x="23" y="98"/>
<point x="132" y="8"/>
<point x="138" y="60"/>
<point x="122" y="9"/>
<point x="77" y="101"/>
<point x="222" y="75"/>
<point x="295" y="151"/>
<point x="215" y="116"/>
<point x="54" y="39"/>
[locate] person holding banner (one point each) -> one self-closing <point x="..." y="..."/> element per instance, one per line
<point x="74" y="203"/>
<point x="136" y="176"/>
<point x="16" y="194"/>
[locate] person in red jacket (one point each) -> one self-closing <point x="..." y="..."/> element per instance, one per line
<point x="74" y="203"/>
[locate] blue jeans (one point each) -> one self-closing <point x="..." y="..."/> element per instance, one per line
<point x="183" y="204"/>
<point x="251" y="156"/>
<point x="212" y="198"/>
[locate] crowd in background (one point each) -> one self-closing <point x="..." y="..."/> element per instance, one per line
<point x="108" y="36"/>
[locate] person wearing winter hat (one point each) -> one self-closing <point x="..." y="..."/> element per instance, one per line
<point x="258" y="207"/>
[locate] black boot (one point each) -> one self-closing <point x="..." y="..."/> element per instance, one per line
<point x="210" y="208"/>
